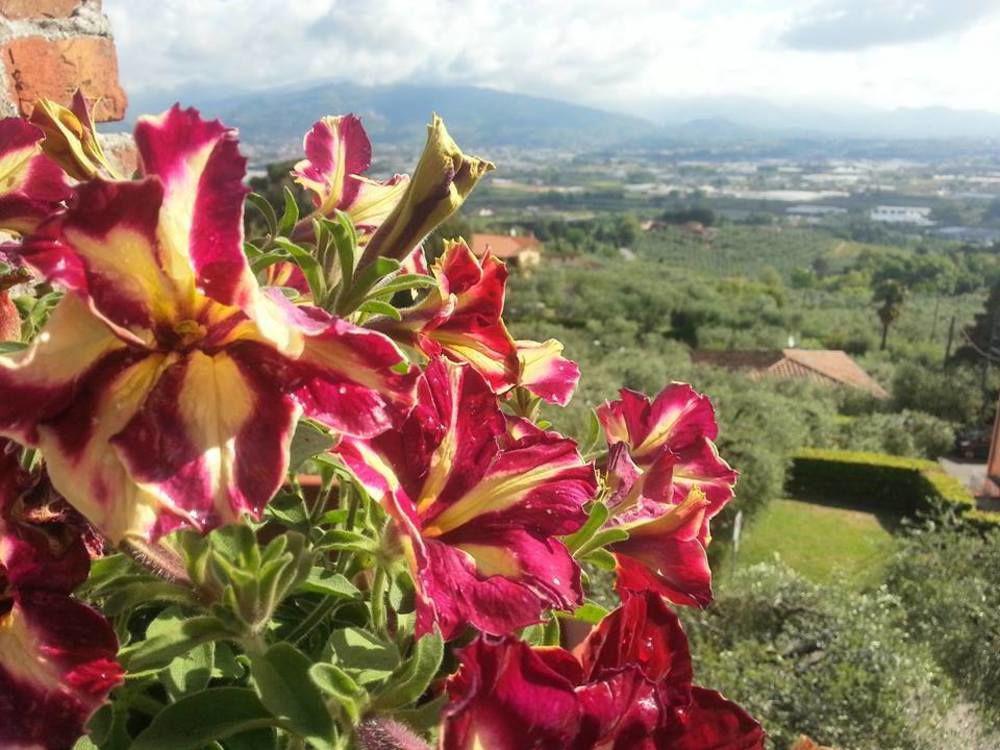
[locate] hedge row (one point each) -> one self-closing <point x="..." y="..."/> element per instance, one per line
<point x="883" y="483"/>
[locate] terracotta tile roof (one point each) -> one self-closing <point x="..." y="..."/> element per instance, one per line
<point x="503" y="246"/>
<point x="818" y="365"/>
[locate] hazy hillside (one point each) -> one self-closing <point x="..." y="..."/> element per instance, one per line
<point x="274" y="119"/>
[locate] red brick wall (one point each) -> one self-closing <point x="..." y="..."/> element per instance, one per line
<point x="49" y="48"/>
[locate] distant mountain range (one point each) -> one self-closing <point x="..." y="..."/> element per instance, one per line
<point x="273" y="121"/>
<point x="397" y="114"/>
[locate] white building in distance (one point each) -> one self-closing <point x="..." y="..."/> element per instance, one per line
<point x="915" y="215"/>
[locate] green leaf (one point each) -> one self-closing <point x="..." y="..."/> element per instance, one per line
<point x="589" y="612"/>
<point x="337" y="683"/>
<point x="350" y="541"/>
<point x="311" y="268"/>
<point x="7" y="347"/>
<point x="601" y="558"/>
<point x="146" y="591"/>
<point x="367" y="658"/>
<point x="602" y="539"/>
<point x="410" y="681"/>
<point x="213" y="714"/>
<point x="403" y="284"/>
<point x="290" y="215"/>
<point x="328" y="583"/>
<point x="590" y="442"/>
<point x="424" y="717"/>
<point x="309" y="440"/>
<point x="189" y="672"/>
<point x="598" y="515"/>
<point x="551" y="632"/>
<point x="266" y="210"/>
<point x="256" y="739"/>
<point x="158" y="651"/>
<point x="282" y="678"/>
<point x="375" y="307"/>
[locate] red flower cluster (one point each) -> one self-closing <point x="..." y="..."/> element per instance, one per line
<point x="626" y="687"/>
<point x="164" y="390"/>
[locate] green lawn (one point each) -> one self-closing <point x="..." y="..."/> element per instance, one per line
<point x="825" y="544"/>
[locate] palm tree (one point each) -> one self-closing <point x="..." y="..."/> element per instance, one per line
<point x="891" y="295"/>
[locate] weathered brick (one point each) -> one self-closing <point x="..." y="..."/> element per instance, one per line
<point x="54" y="68"/>
<point x="20" y="9"/>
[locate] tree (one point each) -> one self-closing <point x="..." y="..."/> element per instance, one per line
<point x="890" y="296"/>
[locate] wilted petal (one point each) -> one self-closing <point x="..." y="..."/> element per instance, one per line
<point x="545" y="372"/>
<point x="505" y="697"/>
<point x="643" y="632"/>
<point x="201" y="226"/>
<point x="57" y="657"/>
<point x="443" y="179"/>
<point x="31" y="185"/>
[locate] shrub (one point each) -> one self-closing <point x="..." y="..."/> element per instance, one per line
<point x="953" y="395"/>
<point x="884" y="483"/>
<point x="909" y="433"/>
<point x="949" y="582"/>
<point x="819" y="660"/>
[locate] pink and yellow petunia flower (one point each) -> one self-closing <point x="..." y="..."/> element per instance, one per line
<point x="666" y="483"/>
<point x="666" y="550"/>
<point x="165" y="388"/>
<point x="476" y="506"/>
<point x="32" y="186"/>
<point x="338" y="153"/>
<point x="627" y="687"/>
<point x="57" y="656"/>
<point x="679" y="420"/>
<point x="462" y="317"/>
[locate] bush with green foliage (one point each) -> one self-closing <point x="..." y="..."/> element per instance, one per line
<point x="908" y="433"/>
<point x="881" y="482"/>
<point x="949" y="582"/>
<point x="820" y="660"/>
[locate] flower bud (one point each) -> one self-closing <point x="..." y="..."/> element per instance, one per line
<point x="442" y="181"/>
<point x="70" y="139"/>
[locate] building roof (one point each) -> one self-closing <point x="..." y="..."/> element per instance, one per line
<point x="504" y="246"/>
<point x="830" y="366"/>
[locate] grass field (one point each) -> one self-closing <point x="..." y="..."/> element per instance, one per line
<point x="825" y="544"/>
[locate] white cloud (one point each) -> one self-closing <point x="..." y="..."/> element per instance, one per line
<point x="610" y="52"/>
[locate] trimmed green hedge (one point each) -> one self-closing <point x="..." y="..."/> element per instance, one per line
<point x="881" y="482"/>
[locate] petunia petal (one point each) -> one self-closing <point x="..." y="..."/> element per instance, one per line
<point x="57" y="665"/>
<point x="677" y="418"/>
<point x="545" y="372"/>
<point x="201" y="227"/>
<point x="211" y="440"/>
<point x="42" y="380"/>
<point x="505" y="697"/>
<point x="711" y="723"/>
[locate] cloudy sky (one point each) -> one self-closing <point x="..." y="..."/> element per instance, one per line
<point x="612" y="53"/>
